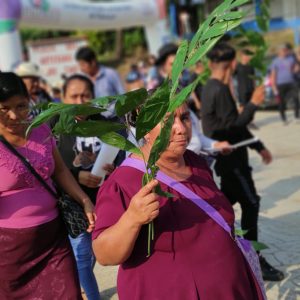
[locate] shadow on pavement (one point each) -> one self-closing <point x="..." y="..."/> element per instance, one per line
<point x="282" y="236"/>
<point x="280" y="190"/>
<point x="109" y="293"/>
<point x="267" y="120"/>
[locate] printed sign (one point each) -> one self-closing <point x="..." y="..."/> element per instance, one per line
<point x="55" y="57"/>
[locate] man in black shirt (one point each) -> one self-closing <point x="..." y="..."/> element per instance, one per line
<point x="244" y="75"/>
<point x="221" y="121"/>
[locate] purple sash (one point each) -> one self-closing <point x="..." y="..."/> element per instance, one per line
<point x="244" y="245"/>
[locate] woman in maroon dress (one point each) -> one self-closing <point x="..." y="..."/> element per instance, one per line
<point x="36" y="259"/>
<point x="192" y="256"/>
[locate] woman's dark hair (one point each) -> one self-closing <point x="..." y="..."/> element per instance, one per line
<point x="85" y="54"/>
<point x="221" y="52"/>
<point x="11" y="85"/>
<point x="79" y="77"/>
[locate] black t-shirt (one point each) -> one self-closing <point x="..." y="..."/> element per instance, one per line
<point x="245" y="82"/>
<point x="221" y="121"/>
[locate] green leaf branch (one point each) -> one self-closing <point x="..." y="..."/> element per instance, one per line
<point x="153" y="109"/>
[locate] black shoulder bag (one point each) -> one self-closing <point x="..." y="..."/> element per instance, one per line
<point x="70" y="210"/>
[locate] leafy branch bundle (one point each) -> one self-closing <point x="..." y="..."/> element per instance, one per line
<point x="154" y="109"/>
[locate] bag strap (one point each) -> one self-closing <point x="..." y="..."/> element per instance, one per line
<point x="183" y="190"/>
<point x="207" y="208"/>
<point x="28" y="165"/>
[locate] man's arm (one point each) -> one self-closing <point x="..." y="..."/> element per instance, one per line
<point x="273" y="78"/>
<point x="259" y="147"/>
<point x="227" y="117"/>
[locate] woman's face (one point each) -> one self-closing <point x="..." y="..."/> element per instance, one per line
<point x="77" y="92"/>
<point x="180" y="134"/>
<point x="14" y="115"/>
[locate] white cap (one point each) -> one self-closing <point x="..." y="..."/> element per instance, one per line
<point x="58" y="84"/>
<point x="27" y="69"/>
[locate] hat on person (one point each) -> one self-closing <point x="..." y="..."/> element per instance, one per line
<point x="58" y="84"/>
<point x="27" y="69"/>
<point x="133" y="76"/>
<point x="165" y="51"/>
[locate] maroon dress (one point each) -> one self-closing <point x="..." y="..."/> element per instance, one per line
<point x="192" y="256"/>
<point x="36" y="258"/>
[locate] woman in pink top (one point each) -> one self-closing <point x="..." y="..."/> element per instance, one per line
<point x="36" y="260"/>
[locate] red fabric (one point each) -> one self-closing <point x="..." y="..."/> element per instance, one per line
<point x="192" y="256"/>
<point x="37" y="263"/>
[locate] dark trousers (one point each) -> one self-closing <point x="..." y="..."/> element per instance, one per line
<point x="245" y="97"/>
<point x="238" y="186"/>
<point x="287" y="91"/>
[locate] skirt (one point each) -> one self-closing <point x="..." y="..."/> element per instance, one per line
<point x="38" y="263"/>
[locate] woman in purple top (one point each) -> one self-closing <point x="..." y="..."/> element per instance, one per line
<point x="36" y="260"/>
<point x="192" y="257"/>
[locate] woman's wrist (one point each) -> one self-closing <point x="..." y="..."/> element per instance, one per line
<point x="130" y="220"/>
<point x="85" y="200"/>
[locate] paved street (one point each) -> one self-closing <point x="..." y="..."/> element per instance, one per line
<point x="279" y="186"/>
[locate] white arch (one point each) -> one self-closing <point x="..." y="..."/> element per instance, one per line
<point x="78" y="14"/>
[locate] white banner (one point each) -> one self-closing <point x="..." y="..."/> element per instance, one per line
<point x="81" y="14"/>
<point x="78" y="14"/>
<point x="55" y="57"/>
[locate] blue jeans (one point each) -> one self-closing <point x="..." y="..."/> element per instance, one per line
<point x="85" y="260"/>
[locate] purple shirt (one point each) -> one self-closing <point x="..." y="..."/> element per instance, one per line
<point x="23" y="201"/>
<point x="192" y="256"/>
<point x="284" y="69"/>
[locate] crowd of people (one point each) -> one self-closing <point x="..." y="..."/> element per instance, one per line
<point x="192" y="256"/>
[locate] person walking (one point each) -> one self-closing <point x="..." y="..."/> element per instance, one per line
<point x="36" y="259"/>
<point x="106" y="80"/>
<point x="244" y="75"/>
<point x="284" y="85"/>
<point x="221" y="121"/>
<point x="79" y="155"/>
<point x="30" y="74"/>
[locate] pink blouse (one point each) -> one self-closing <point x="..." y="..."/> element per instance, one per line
<point x="24" y="202"/>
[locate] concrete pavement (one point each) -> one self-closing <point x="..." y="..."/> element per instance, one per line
<point x="279" y="186"/>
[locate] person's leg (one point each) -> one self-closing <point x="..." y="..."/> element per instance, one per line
<point x="282" y="100"/>
<point x="292" y="92"/>
<point x="238" y="188"/>
<point x="82" y="247"/>
<point x="250" y="203"/>
<point x="296" y="101"/>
